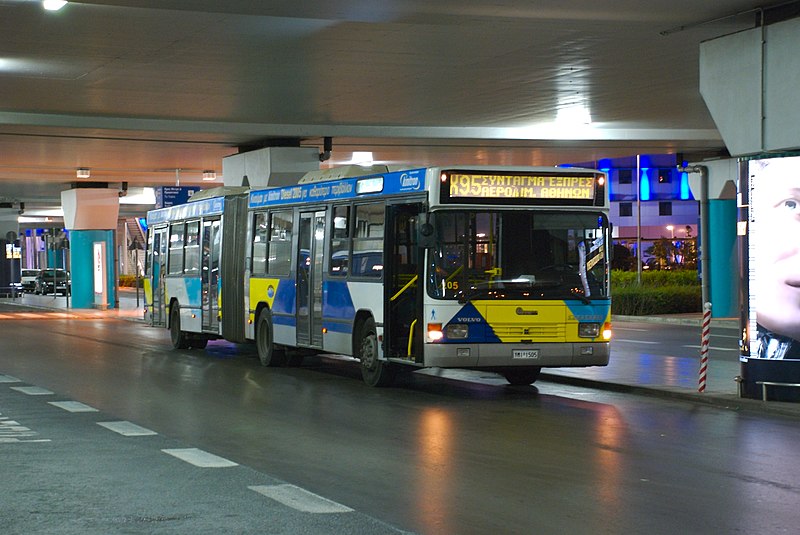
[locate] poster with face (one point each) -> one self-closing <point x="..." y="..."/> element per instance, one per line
<point x="774" y="258"/>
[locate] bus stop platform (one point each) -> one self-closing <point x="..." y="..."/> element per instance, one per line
<point x="654" y="373"/>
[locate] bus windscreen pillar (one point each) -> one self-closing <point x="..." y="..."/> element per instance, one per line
<point x="90" y="214"/>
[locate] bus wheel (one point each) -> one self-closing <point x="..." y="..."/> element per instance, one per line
<point x="199" y="343"/>
<point x="180" y="340"/>
<point x="522" y="376"/>
<point x="267" y="354"/>
<point x="375" y="372"/>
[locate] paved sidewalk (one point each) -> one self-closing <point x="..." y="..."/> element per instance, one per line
<point x="642" y="373"/>
<point x="671" y="377"/>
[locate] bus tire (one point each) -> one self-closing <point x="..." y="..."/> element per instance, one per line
<point x="199" y="342"/>
<point x="522" y="376"/>
<point x="265" y="343"/>
<point x="179" y="339"/>
<point x="375" y="372"/>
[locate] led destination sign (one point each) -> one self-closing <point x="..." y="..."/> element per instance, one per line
<point x="508" y="186"/>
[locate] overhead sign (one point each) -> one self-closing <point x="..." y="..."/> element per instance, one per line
<point x="167" y="196"/>
<point x="519" y="186"/>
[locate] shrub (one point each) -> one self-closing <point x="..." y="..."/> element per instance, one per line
<point x="661" y="292"/>
<point x="129" y="281"/>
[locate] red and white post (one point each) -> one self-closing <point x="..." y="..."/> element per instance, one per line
<point x="704" y="341"/>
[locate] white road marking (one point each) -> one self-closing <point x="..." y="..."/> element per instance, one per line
<point x="12" y="431"/>
<point x="8" y="379"/>
<point x="634" y="341"/>
<point x="300" y="499"/>
<point x="127" y="429"/>
<point x="716" y="348"/>
<point x="32" y="390"/>
<point x="631" y="329"/>
<point x="200" y="458"/>
<point x="72" y="406"/>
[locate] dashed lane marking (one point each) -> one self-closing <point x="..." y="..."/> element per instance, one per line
<point x="73" y="406"/>
<point x="127" y="429"/>
<point x="200" y="458"/>
<point x="300" y="499"/>
<point x="715" y="348"/>
<point x="9" y="379"/>
<point x="635" y="341"/>
<point x="32" y="390"/>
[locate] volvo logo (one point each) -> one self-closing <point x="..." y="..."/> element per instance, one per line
<point x="522" y="312"/>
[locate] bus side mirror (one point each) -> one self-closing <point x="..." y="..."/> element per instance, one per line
<point x="426" y="235"/>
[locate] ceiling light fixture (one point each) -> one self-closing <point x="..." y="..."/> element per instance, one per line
<point x="209" y="174"/>
<point x="53" y="5"/>
<point x="84" y="172"/>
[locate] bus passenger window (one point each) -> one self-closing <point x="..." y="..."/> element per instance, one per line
<point x="340" y="241"/>
<point x="191" y="255"/>
<point x="176" y="248"/>
<point x="368" y="241"/>
<point x="260" y="244"/>
<point x="279" y="250"/>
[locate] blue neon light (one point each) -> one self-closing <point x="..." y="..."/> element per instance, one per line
<point x="607" y="171"/>
<point x="686" y="194"/>
<point x="644" y="185"/>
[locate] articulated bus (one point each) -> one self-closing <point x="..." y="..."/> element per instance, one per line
<point x="501" y="269"/>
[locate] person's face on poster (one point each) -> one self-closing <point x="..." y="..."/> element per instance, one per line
<point x="776" y="201"/>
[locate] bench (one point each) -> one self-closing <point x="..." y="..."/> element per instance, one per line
<point x="765" y="384"/>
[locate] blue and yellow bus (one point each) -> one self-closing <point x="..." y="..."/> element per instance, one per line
<point x="501" y="269"/>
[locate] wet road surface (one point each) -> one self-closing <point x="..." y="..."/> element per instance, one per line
<point x="434" y="454"/>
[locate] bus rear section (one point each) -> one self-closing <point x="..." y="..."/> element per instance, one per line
<point x="194" y="265"/>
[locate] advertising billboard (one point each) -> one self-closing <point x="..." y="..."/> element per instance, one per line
<point x="770" y="359"/>
<point x="774" y="258"/>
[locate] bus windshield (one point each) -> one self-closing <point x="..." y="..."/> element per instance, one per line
<point x="519" y="255"/>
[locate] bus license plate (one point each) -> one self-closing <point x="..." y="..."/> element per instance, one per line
<point x="525" y="354"/>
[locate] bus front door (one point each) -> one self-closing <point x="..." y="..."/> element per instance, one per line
<point x="159" y="269"/>
<point x="309" y="279"/>
<point x="403" y="284"/>
<point x="210" y="275"/>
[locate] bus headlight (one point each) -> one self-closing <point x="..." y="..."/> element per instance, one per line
<point x="588" y="330"/>
<point x="457" y="331"/>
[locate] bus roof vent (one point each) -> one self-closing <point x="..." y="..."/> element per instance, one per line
<point x="346" y="171"/>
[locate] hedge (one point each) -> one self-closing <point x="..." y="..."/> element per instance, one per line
<point x="661" y="292"/>
<point x="129" y="281"/>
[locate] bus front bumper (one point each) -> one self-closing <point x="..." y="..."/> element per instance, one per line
<point x="569" y="354"/>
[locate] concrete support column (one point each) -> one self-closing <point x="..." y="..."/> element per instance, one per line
<point x="90" y="214"/>
<point x="723" y="258"/>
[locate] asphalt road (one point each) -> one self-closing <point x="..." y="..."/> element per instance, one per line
<point x="438" y="454"/>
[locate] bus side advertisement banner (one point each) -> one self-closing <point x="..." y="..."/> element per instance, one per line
<point x="346" y="188"/>
<point x="186" y="211"/>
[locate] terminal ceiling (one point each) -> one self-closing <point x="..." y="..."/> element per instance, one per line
<point x="153" y="92"/>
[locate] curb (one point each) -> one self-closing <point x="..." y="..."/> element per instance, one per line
<point x="723" y="323"/>
<point x="720" y="401"/>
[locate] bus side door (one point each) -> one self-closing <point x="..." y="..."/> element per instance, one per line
<point x="210" y="274"/>
<point x="310" y="253"/>
<point x="158" y="270"/>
